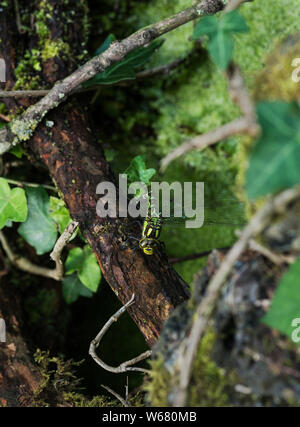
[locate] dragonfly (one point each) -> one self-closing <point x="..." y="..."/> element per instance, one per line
<point x="223" y="212"/>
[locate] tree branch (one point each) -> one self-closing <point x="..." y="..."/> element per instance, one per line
<point x="246" y="124"/>
<point x="24" y="264"/>
<point x="23" y="126"/>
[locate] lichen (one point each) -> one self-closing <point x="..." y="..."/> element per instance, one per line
<point x="23" y="129"/>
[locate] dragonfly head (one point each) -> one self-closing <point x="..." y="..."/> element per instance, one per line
<point x="148" y="245"/>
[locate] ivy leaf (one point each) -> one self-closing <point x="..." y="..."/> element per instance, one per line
<point x="286" y="302"/>
<point x="219" y="32"/>
<point x="275" y="159"/>
<point x="17" y="151"/>
<point x="206" y="26"/>
<point x="105" y="45"/>
<point x="39" y="230"/>
<point x="72" y="288"/>
<point x="59" y="213"/>
<point x="85" y="263"/>
<point x="233" y="22"/>
<point x="125" y="69"/>
<point x="137" y="171"/>
<point x="221" y="49"/>
<point x="116" y="73"/>
<point x="13" y="204"/>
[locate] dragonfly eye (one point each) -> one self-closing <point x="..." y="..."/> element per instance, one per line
<point x="148" y="250"/>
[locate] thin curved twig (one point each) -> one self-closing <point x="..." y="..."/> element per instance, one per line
<point x="59" y="246"/>
<point x="24" y="264"/>
<point x="125" y="366"/>
<point x="244" y="125"/>
<point x="120" y="398"/>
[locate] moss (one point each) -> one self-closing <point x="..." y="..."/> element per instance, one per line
<point x="275" y="80"/>
<point x="25" y="72"/>
<point x="29" y="68"/>
<point x="209" y="385"/>
<point x="60" y="385"/>
<point x="55" y="48"/>
<point x="158" y="385"/>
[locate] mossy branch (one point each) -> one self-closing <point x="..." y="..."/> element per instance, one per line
<point x="23" y="126"/>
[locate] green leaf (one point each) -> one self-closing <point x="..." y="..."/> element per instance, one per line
<point x="233" y="22"/>
<point x="221" y="49"/>
<point x="116" y="73"/>
<point x="137" y="171"/>
<point x="39" y="230"/>
<point x="13" y="204"/>
<point x="206" y="26"/>
<point x="85" y="263"/>
<point x="125" y="69"/>
<point x="105" y="45"/>
<point x="275" y="159"/>
<point x="72" y="288"/>
<point x="59" y="213"/>
<point x="285" y="305"/>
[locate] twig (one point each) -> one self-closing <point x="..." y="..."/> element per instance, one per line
<point x="23" y="126"/>
<point x="31" y="93"/>
<point x="125" y="366"/>
<point x="234" y="4"/>
<point x="246" y="124"/>
<point x="120" y="398"/>
<point x="272" y="256"/>
<point x="58" y="248"/>
<point x="23" y="93"/>
<point x="260" y="220"/>
<point x="162" y="69"/>
<point x="193" y="256"/>
<point x="24" y="264"/>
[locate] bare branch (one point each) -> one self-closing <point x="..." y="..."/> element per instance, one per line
<point x="24" y="264"/>
<point x="23" y="93"/>
<point x="23" y="184"/>
<point x="36" y="93"/>
<point x="234" y="4"/>
<point x="125" y="366"/>
<point x="23" y="126"/>
<point x="246" y="124"/>
<point x="267" y="253"/>
<point x="259" y="221"/>
<point x="58" y="248"/>
<point x="120" y="398"/>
